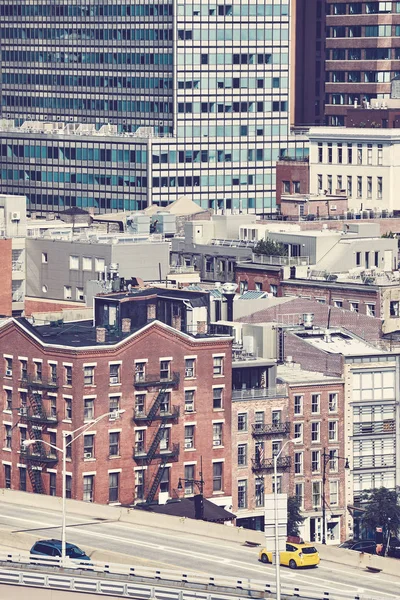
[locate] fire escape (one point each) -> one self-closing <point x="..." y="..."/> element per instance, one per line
<point x="161" y="417"/>
<point x="39" y="414"/>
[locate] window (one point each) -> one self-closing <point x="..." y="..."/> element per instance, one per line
<point x="242" y="455"/>
<point x="370" y="310"/>
<point x="8" y="400"/>
<point x="298" y="431"/>
<point x="286" y="187"/>
<point x="165" y="369"/>
<point x="349" y="186"/>
<point x="276" y="447"/>
<point x="113" y="405"/>
<point x="68" y="486"/>
<point x="189" y="437"/>
<point x="68" y="375"/>
<point x="140" y="402"/>
<point x="316" y="494"/>
<point x="394" y="308"/>
<point x="87" y="263"/>
<point x="359" y="154"/>
<point x="259" y="492"/>
<point x="259" y="421"/>
<point x="315" y="403"/>
<point x="242" y="422"/>
<point x="44" y="258"/>
<point x="315" y="431"/>
<point x="139" y="484"/>
<point x="88" y="375"/>
<point x="115" y="374"/>
<point x="258" y="286"/>
<point x="333" y="431"/>
<point x="217" y="477"/>
<point x="217" y="398"/>
<point x="380" y="154"/>
<point x="38" y="371"/>
<point x="99" y="265"/>
<point x="140" y="441"/>
<point x="67" y="292"/>
<point x="88" y="485"/>
<point x="315" y="461"/>
<point x="358" y="259"/>
<point x="333" y="402"/>
<point x="359" y="186"/>
<point x="53" y="372"/>
<point x="338" y="303"/>
<point x="7" y="476"/>
<point x="242" y="493"/>
<point x="189" y="401"/>
<point x="7" y="436"/>
<point x="74" y="263"/>
<point x="273" y="289"/>
<point x="79" y="294"/>
<point x="88" y="409"/>
<point x="9" y="366"/>
<point x="369" y="187"/>
<point x="113" y="487"/>
<point x="354" y="307"/>
<point x="190" y="367"/>
<point x="276" y="417"/>
<point x="299" y="494"/>
<point x="298" y="463"/>
<point x="319" y="183"/>
<point x="114" y="443"/>
<point x="379" y="182"/>
<point x="22" y="479"/>
<point x="333" y="460"/>
<point x="68" y="408"/>
<point x="340" y="157"/>
<point x="278" y="485"/>
<point x="339" y="184"/>
<point x="164" y="483"/>
<point x="218" y="365"/>
<point x="298" y="405"/>
<point x="217" y="434"/>
<point x="333" y="493"/>
<point x="52" y="484"/>
<point x="24" y="369"/>
<point x="350" y="153"/>
<point x="88" y="446"/>
<point x="330" y="153"/>
<point x="189" y="479"/>
<point x="296" y="187"/>
<point x="320" y="152"/>
<point x="140" y="371"/>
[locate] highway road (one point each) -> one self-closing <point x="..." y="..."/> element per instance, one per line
<point x="166" y="548"/>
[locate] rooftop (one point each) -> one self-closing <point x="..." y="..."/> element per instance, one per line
<point x="292" y="373"/>
<point x="336" y="341"/>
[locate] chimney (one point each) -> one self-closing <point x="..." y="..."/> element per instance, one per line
<point x="151" y="312"/>
<point x="177" y="322"/>
<point x="201" y="327"/>
<point x="126" y="325"/>
<point x="100" y="335"/>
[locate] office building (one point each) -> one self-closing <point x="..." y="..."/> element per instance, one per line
<point x="217" y="120"/>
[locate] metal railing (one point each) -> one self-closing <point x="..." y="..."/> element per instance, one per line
<point x="126" y="581"/>
<point x="277" y="391"/>
<point x="270" y="428"/>
<point x="155" y="379"/>
<point x="283" y="261"/>
<point x="141" y="415"/>
<point x="40" y="382"/>
<point x="141" y="455"/>
<point x="182" y="269"/>
<point x="267" y="464"/>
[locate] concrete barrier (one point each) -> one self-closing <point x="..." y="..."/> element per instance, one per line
<point x="135" y="517"/>
<point x="361" y="560"/>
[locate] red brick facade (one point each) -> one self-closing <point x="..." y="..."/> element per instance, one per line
<point x="37" y="305"/>
<point x="151" y="344"/>
<point x="292" y="176"/>
<point x="257" y="276"/>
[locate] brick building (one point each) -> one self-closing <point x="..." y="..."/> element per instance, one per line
<point x="292" y="177"/>
<point x="316" y="415"/>
<point x="147" y="354"/>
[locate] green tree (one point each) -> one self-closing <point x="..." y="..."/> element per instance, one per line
<point x="270" y="248"/>
<point x="382" y="509"/>
<point x="294" y="518"/>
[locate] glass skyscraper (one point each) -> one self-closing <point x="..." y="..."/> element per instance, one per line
<point x="211" y="80"/>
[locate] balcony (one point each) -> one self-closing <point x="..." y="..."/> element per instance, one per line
<point x="279" y="391"/>
<point x="260" y="429"/>
<point x="40" y="383"/>
<point x="39" y="456"/>
<point x="173" y="415"/>
<point x="156" y="380"/>
<point x="141" y="456"/>
<point x="39" y="415"/>
<point x="267" y="464"/>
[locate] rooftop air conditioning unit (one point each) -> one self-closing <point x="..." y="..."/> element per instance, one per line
<point x="15" y="216"/>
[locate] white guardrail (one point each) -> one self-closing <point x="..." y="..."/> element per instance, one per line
<point x="34" y="571"/>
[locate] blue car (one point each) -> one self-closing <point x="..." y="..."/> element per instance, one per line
<point x="52" y="548"/>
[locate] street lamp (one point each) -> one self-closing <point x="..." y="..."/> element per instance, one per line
<point x="325" y="458"/>
<point x="63" y="450"/>
<point x="276" y="523"/>
<point x="199" y="507"/>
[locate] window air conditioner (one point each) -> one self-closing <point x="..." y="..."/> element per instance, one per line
<point x="87" y="455"/>
<point x="114" y="380"/>
<point x="9" y="372"/>
<point x="188" y="372"/>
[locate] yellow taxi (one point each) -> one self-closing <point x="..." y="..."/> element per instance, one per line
<point x="295" y="555"/>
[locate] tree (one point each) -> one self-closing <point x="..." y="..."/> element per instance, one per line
<point x="294" y="518"/>
<point x="270" y="248"/>
<point x="382" y="509"/>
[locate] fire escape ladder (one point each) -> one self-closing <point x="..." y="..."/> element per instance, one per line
<point x="35" y="476"/>
<point x="156" y="481"/>
<point x="157" y="402"/>
<point x="156" y="441"/>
